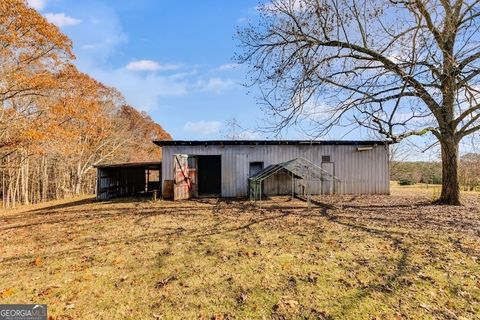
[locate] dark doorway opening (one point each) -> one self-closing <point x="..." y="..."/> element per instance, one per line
<point x="209" y="175"/>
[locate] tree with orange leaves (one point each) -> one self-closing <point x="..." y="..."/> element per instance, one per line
<point x="32" y="50"/>
<point x="56" y="122"/>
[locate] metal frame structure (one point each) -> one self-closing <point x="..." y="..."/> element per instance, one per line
<point x="298" y="168"/>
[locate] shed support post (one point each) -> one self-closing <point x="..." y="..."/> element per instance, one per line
<point x="341" y="196"/>
<point x="309" y="193"/>
<point x="293" y="187"/>
<point x="260" y="194"/>
<point x="250" y="191"/>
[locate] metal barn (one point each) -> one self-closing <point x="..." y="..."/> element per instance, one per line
<point x="223" y="167"/>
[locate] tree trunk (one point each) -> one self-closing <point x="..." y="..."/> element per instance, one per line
<point x="78" y="186"/>
<point x="450" y="185"/>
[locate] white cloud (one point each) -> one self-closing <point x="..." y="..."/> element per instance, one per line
<point x="318" y="111"/>
<point x="99" y="37"/>
<point x="228" y="66"/>
<point x="170" y="67"/>
<point x="203" y="127"/>
<point x="242" y="20"/>
<point x="248" y="135"/>
<point x="90" y="46"/>
<point x="143" y="90"/>
<point x="61" y="19"/>
<point x="215" y="85"/>
<point x="149" y="65"/>
<point x="37" y="4"/>
<point x="279" y="6"/>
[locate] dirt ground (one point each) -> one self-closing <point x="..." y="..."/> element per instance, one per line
<point x="362" y="257"/>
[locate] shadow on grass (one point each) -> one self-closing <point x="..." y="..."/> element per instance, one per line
<point x="386" y="286"/>
<point x="65" y="205"/>
<point x="391" y="283"/>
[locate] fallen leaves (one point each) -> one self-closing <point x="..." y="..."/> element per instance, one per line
<point x="37" y="262"/>
<point x="242" y="297"/>
<point x="47" y="291"/>
<point x="286" y="306"/>
<point x="6" y="293"/>
<point x="162" y="283"/>
<point x="121" y="281"/>
<point x="336" y="269"/>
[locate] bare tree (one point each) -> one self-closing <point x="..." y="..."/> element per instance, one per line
<point x="400" y="67"/>
<point x="235" y="131"/>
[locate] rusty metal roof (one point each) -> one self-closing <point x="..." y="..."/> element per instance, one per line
<point x="271" y="142"/>
<point x="147" y="165"/>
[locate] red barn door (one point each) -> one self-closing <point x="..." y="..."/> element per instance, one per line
<point x="182" y="184"/>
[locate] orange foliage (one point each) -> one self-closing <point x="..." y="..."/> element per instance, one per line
<point x="145" y="131"/>
<point x="55" y="121"/>
<point x="32" y="50"/>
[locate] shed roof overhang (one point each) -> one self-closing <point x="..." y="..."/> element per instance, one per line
<point x="146" y="165"/>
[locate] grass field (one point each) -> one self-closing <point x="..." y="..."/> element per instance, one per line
<point x="377" y="257"/>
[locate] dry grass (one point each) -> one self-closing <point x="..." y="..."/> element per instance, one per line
<point x="381" y="257"/>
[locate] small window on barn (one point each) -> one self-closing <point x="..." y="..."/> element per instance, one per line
<point x="192" y="162"/>
<point x="255" y="167"/>
<point x="326" y="159"/>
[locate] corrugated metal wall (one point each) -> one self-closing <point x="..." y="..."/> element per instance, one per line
<point x="365" y="172"/>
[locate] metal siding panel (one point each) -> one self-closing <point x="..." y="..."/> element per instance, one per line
<point x="360" y="172"/>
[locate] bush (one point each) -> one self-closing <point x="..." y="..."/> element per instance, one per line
<point x="406" y="182"/>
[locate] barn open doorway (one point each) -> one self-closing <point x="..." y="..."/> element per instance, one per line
<point x="209" y="175"/>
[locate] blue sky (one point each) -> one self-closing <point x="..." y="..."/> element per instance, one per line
<point x="172" y="59"/>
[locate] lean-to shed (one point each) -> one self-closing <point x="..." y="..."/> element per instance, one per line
<point x="127" y="179"/>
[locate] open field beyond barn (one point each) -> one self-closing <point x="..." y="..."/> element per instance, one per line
<point x="381" y="257"/>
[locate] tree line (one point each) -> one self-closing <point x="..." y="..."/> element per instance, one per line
<point x="412" y="172"/>
<point x="55" y="121"/>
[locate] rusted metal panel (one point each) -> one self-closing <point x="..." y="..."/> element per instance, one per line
<point x="167" y="190"/>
